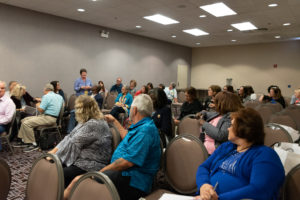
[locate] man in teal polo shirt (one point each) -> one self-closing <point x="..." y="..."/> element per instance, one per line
<point x="50" y="107"/>
<point x="137" y="158"/>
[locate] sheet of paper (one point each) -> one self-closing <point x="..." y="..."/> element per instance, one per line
<point x="175" y="197"/>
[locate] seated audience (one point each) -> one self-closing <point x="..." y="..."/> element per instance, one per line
<point x="143" y="90"/>
<point x="97" y="96"/>
<point x="295" y="100"/>
<point x="137" y="158"/>
<point x="11" y="86"/>
<point x="83" y="85"/>
<point x="103" y="90"/>
<point x="132" y="87"/>
<point x="228" y="88"/>
<point x="50" y="108"/>
<point x="245" y="93"/>
<point x="21" y="97"/>
<point x="171" y="92"/>
<point x="7" y="109"/>
<point x="274" y="96"/>
<point x="150" y="86"/>
<point x="213" y="90"/>
<point x="117" y="87"/>
<point x="122" y="103"/>
<point x="162" y="115"/>
<point x="215" y="123"/>
<point x="88" y="146"/>
<point x="57" y="89"/>
<point x="161" y="86"/>
<point x="191" y="105"/>
<point x="242" y="168"/>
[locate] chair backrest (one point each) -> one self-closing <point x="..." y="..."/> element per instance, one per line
<point x="294" y="113"/>
<point x="284" y="120"/>
<point x="11" y="124"/>
<point x="71" y="102"/>
<point x="181" y="97"/>
<point x="110" y="100"/>
<point x="251" y="104"/>
<point x="94" y="186"/>
<point x="66" y="99"/>
<point x="46" y="179"/>
<point x="189" y="125"/>
<point x="183" y="156"/>
<point x="60" y="116"/>
<point x="275" y="107"/>
<point x="5" y="179"/>
<point x="291" y="186"/>
<point x="265" y="112"/>
<point x="116" y="138"/>
<point x="274" y="134"/>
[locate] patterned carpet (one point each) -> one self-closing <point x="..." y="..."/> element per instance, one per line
<point x="20" y="164"/>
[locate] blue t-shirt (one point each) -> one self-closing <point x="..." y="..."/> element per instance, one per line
<point x="116" y="88"/>
<point x="51" y="104"/>
<point x="140" y="146"/>
<point x="79" y="82"/>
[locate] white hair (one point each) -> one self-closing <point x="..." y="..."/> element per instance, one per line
<point x="49" y="87"/>
<point x="3" y="82"/>
<point x="144" y="104"/>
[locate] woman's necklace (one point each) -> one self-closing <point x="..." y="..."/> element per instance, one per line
<point x="243" y="149"/>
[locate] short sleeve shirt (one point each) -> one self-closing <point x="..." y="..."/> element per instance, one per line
<point x="51" y="104"/>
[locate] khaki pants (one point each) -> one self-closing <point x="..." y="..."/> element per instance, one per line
<point x="29" y="123"/>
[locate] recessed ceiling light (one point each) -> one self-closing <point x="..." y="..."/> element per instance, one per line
<point x="244" y="26"/>
<point x="286" y="24"/>
<point x="195" y="32"/>
<point x="198" y="43"/>
<point x="218" y="9"/>
<point x="138" y="26"/>
<point x="202" y="16"/>
<point x="173" y="36"/>
<point x="229" y="30"/>
<point x="158" y="18"/>
<point x="80" y="10"/>
<point x="273" y="5"/>
<point x="277" y="36"/>
<point x="94" y="0"/>
<point x="233" y="40"/>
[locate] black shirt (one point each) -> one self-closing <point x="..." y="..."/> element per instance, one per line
<point x="190" y="108"/>
<point x="162" y="119"/>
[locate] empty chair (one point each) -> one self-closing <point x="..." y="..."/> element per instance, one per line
<point x="71" y="102"/>
<point x="175" y="108"/>
<point x="46" y="179"/>
<point x="284" y="120"/>
<point x="265" y="113"/>
<point x="274" y="134"/>
<point x="189" y="125"/>
<point x="110" y="102"/>
<point x="181" y="97"/>
<point x="294" y="113"/>
<point x="276" y="107"/>
<point x="94" y="186"/>
<point x="116" y="138"/>
<point x="5" y="179"/>
<point x="251" y="104"/>
<point x="4" y="138"/>
<point x="183" y="156"/>
<point x="291" y="186"/>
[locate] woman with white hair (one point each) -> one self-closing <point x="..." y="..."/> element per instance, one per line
<point x="21" y="97"/>
<point x="88" y="146"/>
<point x="122" y="103"/>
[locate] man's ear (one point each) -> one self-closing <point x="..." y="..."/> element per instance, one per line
<point x="134" y="110"/>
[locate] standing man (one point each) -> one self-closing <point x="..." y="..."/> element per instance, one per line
<point x="171" y="92"/>
<point x="118" y="86"/>
<point x="50" y="108"/>
<point x="83" y="85"/>
<point x="7" y="109"/>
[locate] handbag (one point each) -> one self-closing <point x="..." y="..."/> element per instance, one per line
<point x="48" y="140"/>
<point x="289" y="154"/>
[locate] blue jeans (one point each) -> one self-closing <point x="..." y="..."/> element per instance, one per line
<point x="72" y="121"/>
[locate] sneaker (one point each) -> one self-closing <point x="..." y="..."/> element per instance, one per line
<point x="31" y="148"/>
<point x="20" y="144"/>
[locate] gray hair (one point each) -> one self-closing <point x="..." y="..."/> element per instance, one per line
<point x="144" y="104"/>
<point x="49" y="87"/>
<point x="3" y="82"/>
<point x="173" y="85"/>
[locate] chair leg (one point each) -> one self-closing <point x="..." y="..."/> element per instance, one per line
<point x="59" y="133"/>
<point x="8" y="143"/>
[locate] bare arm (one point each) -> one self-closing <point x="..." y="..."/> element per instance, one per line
<point x="39" y="109"/>
<point x="123" y="132"/>
<point x="119" y="165"/>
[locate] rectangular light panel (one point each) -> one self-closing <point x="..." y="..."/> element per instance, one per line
<point x="244" y="26"/>
<point x="195" y="32"/>
<point x="218" y="9"/>
<point x="158" y="18"/>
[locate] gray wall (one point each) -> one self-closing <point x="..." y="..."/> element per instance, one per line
<point x="36" y="48"/>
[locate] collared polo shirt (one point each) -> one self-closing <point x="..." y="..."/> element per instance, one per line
<point x="7" y="109"/>
<point x="140" y="146"/>
<point x="51" y="104"/>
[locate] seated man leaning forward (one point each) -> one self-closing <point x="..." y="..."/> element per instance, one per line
<point x="50" y="109"/>
<point x="136" y="159"/>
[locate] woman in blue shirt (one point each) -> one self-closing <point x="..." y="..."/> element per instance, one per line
<point x="242" y="168"/>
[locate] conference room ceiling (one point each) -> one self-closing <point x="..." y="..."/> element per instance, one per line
<point x="125" y="15"/>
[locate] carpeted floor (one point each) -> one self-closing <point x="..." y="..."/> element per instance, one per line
<point x="20" y="164"/>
